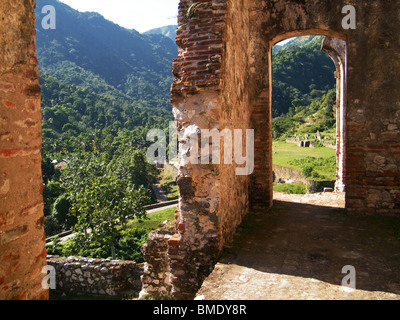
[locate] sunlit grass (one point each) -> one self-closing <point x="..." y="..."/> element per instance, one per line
<point x="153" y="219"/>
<point x="290" y="155"/>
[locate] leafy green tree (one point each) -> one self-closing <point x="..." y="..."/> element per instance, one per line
<point x="51" y="192"/>
<point x="51" y="226"/>
<point x="103" y="209"/>
<point x="48" y="170"/>
<point x="61" y="212"/>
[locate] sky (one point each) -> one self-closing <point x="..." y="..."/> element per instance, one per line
<point x="141" y="15"/>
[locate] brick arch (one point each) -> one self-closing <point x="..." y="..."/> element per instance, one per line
<point x="337" y="49"/>
<point x="260" y="185"/>
<point x="307" y="32"/>
<point x="334" y="44"/>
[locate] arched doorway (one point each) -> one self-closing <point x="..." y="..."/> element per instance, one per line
<point x="336" y="50"/>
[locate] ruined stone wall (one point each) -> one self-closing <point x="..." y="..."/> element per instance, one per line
<point x="196" y="101"/>
<point x="22" y="239"/>
<point x="223" y="79"/>
<point x="96" y="277"/>
<point x="285" y="174"/>
<point x="156" y="272"/>
<point x="373" y="115"/>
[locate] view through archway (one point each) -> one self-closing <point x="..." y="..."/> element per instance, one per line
<point x="308" y="127"/>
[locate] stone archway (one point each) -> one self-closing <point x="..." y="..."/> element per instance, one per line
<point x="337" y="50"/>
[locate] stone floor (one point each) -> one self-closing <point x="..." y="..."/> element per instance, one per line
<point x="298" y="249"/>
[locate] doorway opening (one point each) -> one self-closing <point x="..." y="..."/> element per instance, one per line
<point x="308" y="118"/>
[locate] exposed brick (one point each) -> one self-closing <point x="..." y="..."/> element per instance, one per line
<point x="174" y="240"/>
<point x="9" y="153"/>
<point x="31" y="90"/>
<point x="13" y="234"/>
<point x="9" y="104"/>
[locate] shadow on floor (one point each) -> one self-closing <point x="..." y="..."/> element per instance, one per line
<point x="313" y="241"/>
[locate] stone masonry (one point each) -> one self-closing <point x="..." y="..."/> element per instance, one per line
<point x="156" y="276"/>
<point x="96" y="277"/>
<point x="223" y="81"/>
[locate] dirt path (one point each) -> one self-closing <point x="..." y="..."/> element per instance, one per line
<point x="298" y="250"/>
<point x="159" y="192"/>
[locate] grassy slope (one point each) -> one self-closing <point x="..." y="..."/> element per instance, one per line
<point x="154" y="219"/>
<point x="285" y="154"/>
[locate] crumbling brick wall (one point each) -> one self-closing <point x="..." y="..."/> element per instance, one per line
<point x="196" y="105"/>
<point x="22" y="239"/>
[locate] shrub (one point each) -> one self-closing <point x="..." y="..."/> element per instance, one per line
<point x="307" y="171"/>
<point x="291" y="188"/>
<point x="55" y="247"/>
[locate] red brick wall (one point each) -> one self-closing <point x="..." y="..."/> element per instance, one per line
<point x="22" y="239"/>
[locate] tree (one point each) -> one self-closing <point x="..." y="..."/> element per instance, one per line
<point x="103" y="209"/>
<point x="48" y="170"/>
<point x="51" y="191"/>
<point x="61" y="212"/>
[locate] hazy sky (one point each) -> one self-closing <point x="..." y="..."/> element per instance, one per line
<point x="141" y="15"/>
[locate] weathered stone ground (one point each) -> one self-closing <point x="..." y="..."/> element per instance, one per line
<point x="298" y="250"/>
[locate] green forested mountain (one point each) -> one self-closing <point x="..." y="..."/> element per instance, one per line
<point x="304" y="88"/>
<point x="300" y="72"/>
<point x="168" y="31"/>
<point x="99" y="79"/>
<point x="87" y="50"/>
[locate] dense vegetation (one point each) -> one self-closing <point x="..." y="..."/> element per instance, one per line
<point x="304" y="104"/>
<point x="103" y="88"/>
<point x="127" y="245"/>
<point x="303" y="88"/>
<point x="87" y="50"/>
